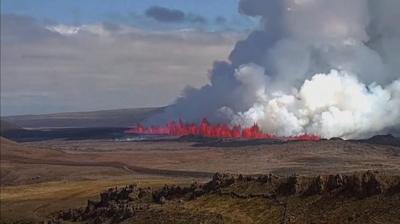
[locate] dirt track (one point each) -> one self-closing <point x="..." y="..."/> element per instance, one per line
<point x="119" y="165"/>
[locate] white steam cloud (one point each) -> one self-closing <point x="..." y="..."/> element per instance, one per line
<point x="333" y="104"/>
<point x="316" y="66"/>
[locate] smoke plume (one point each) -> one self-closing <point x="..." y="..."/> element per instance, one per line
<point x="314" y="66"/>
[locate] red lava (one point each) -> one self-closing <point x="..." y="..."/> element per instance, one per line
<point x="206" y="129"/>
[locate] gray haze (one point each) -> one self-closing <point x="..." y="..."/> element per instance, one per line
<point x="53" y="68"/>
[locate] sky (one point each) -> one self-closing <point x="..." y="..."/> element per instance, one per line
<point x="71" y="55"/>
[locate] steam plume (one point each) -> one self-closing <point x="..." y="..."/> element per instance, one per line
<point x="315" y="66"/>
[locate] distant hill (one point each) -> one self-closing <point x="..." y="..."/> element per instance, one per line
<point x="7" y="126"/>
<point x="6" y="141"/>
<point x="91" y="119"/>
<point x="383" y="140"/>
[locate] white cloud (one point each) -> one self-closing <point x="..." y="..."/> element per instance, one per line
<point x="64" y="29"/>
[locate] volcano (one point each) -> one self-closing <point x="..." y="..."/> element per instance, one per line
<point x="324" y="67"/>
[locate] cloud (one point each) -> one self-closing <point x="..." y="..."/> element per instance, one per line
<point x="196" y="18"/>
<point x="64" y="29"/>
<point x="22" y="28"/>
<point x="165" y="15"/>
<point x="220" y="20"/>
<point x="100" y="66"/>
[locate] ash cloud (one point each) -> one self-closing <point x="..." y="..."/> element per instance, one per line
<point x="280" y="75"/>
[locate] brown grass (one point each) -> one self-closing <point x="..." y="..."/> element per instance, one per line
<point x="35" y="202"/>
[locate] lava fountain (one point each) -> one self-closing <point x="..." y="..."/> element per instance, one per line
<point x="206" y="129"/>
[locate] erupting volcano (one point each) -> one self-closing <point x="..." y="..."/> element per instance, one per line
<point x="330" y="68"/>
<point x="206" y="129"/>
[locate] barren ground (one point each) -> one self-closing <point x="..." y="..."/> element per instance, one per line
<point x="43" y="177"/>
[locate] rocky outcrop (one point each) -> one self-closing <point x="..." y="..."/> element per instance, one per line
<point x="117" y="204"/>
<point x="358" y="185"/>
<point x="364" y="184"/>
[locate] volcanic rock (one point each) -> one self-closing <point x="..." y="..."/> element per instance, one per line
<point x="162" y="200"/>
<point x="118" y="204"/>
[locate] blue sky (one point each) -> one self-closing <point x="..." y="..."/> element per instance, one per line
<point x="128" y="12"/>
